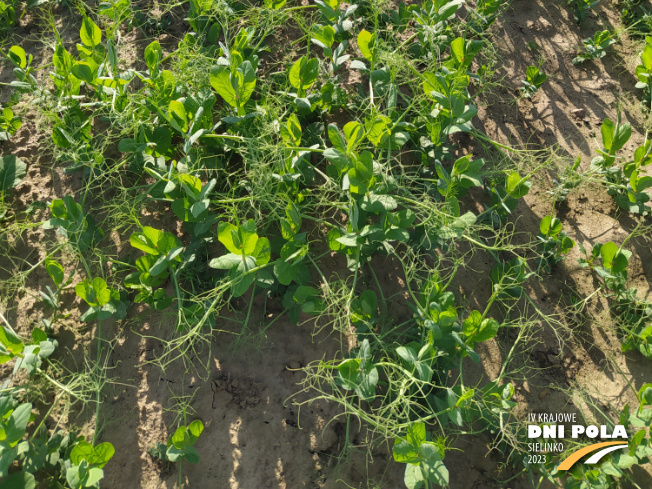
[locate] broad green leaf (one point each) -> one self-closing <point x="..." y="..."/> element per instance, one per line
<point x="324" y="36"/>
<point x="220" y="80"/>
<point x="226" y="262"/>
<point x="240" y="283"/>
<point x="645" y="395"/>
<point x="179" y="438"/>
<point x="337" y="157"/>
<point x="431" y="84"/>
<point x="457" y="50"/>
<point x="153" y="55"/>
<point x="95" y="475"/>
<point x="76" y="474"/>
<point x="95" y="293"/>
<point x="18" y="56"/>
<point x="194" y="430"/>
<point x="304" y="72"/>
<point x="191" y="184"/>
<point x="246" y="82"/>
<point x="162" y="138"/>
<point x="378" y="203"/>
<point x="90" y="33"/>
<point x="336" y="138"/>
<point x="361" y="175"/>
<point x="262" y="252"/>
<point x="607" y="131"/>
<point x="623" y="460"/>
<point x="408" y="354"/>
<point x="367" y="45"/>
<point x="378" y="130"/>
<point x="472" y="323"/>
<point x="458" y="226"/>
<point x="16" y="425"/>
<point x="622" y="135"/>
<point x="416" y="434"/>
<point x="404" y="452"/>
<point x="190" y="454"/>
<point x="178" y="116"/>
<point x="97" y="456"/>
<point x="12" y="171"/>
<point x="488" y="329"/>
<point x="516" y="186"/>
<point x="173" y="453"/>
<point x="228" y="235"/>
<point x="358" y="374"/>
<point x="550" y="226"/>
<point x="19" y="480"/>
<point x="102" y="453"/>
<point x="608" y="252"/>
<point x="333" y="239"/>
<point x="84" y="72"/>
<point x="291" y="131"/>
<point x="432" y="465"/>
<point x="147" y="240"/>
<point x="354" y="133"/>
<point x="285" y="272"/>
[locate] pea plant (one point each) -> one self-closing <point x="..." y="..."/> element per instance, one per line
<point x="9" y="123"/>
<point x="582" y="8"/>
<point x="616" y="467"/>
<point x="644" y="72"/>
<point x="626" y="182"/>
<point x="595" y="47"/>
<point x="554" y="243"/>
<point x="247" y="256"/>
<point x="534" y="78"/>
<point x="632" y="314"/>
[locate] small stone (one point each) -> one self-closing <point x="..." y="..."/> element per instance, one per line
<point x="235" y="384"/>
<point x="294" y="365"/>
<point x="579" y="113"/>
<point x="543" y="394"/>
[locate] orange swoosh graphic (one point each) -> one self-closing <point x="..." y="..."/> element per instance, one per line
<point x="569" y="461"/>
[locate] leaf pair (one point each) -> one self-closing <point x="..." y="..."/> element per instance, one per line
<point x="359" y="374"/>
<point x="180" y="445"/>
<point x="88" y="462"/>
<point x="302" y="298"/>
<point x="303" y="74"/>
<point x="247" y="251"/>
<point x="476" y="329"/>
<point x="424" y="462"/>
<point x="103" y="301"/>
<point x="70" y="221"/>
<point x="235" y="87"/>
<point x="161" y="244"/>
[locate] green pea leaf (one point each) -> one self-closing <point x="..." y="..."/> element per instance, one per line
<point x="516" y="186"/>
<point x="12" y="171"/>
<point x="90" y="33"/>
<point x="367" y="45"/>
<point x="304" y="72"/>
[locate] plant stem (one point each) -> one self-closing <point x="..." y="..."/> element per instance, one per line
<point x="98" y="391"/>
